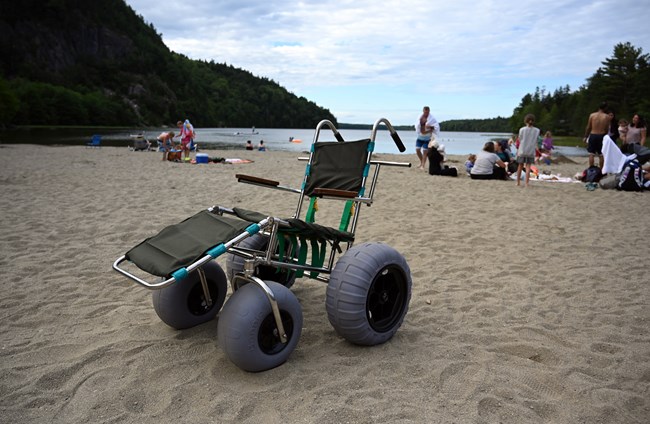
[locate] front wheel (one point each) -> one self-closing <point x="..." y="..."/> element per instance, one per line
<point x="247" y="331"/>
<point x="368" y="293"/>
<point x="184" y="304"/>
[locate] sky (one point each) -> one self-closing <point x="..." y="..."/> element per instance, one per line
<point x="365" y="60"/>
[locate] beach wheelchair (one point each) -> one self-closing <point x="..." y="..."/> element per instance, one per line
<point x="368" y="287"/>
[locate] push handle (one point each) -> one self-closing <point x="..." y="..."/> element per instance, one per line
<point x="339" y="137"/>
<point x="393" y="133"/>
<point x="398" y="141"/>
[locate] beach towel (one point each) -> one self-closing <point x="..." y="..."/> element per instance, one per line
<point x="614" y="158"/>
<point x="237" y="160"/>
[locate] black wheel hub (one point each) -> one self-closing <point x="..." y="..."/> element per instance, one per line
<point x="268" y="337"/>
<point x="197" y="303"/>
<point x="386" y="299"/>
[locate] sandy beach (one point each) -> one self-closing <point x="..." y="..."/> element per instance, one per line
<point x="528" y="305"/>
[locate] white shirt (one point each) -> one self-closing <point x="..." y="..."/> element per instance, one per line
<point x="484" y="164"/>
<point x="431" y="122"/>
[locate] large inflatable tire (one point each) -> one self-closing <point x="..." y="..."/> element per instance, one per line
<point x="247" y="331"/>
<point x="235" y="264"/>
<point x="183" y="304"/>
<point x="368" y="293"/>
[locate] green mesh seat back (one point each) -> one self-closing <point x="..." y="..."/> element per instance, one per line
<point x="181" y="244"/>
<point x="337" y="165"/>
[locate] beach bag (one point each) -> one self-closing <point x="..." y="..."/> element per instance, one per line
<point x="609" y="182"/>
<point x="631" y="178"/>
<point x="593" y="174"/>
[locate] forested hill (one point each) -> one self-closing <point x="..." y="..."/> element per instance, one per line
<point x="70" y="62"/>
<point x="498" y="124"/>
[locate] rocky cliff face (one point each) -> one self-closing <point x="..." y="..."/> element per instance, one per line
<point x="56" y="49"/>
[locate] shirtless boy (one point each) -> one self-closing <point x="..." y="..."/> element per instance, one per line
<point x="597" y="128"/>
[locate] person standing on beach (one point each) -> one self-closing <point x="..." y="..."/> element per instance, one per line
<point x="528" y="135"/>
<point x="426" y="128"/>
<point x="636" y="134"/>
<point x="186" y="135"/>
<point x="597" y="128"/>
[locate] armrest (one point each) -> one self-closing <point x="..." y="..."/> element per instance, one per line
<point x="256" y="180"/>
<point x="337" y="193"/>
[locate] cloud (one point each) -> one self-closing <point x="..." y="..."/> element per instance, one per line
<point x="412" y="50"/>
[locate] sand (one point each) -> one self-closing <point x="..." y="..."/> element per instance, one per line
<point x="528" y="306"/>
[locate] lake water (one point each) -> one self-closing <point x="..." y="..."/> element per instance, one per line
<point x="456" y="143"/>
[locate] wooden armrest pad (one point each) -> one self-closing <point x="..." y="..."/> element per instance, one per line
<point x="257" y="180"/>
<point x="334" y="192"/>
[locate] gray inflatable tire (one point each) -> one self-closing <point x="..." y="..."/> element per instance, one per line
<point x="247" y="332"/>
<point x="368" y="293"/>
<point x="235" y="264"/>
<point x="182" y="305"/>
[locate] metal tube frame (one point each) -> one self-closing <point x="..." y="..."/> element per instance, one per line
<point x="204" y="285"/>
<point x="255" y="258"/>
<point x="271" y="298"/>
<point x="195" y="265"/>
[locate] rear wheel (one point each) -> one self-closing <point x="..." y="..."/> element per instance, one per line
<point x="235" y="264"/>
<point x="368" y="293"/>
<point x="184" y="304"/>
<point x="247" y="331"/>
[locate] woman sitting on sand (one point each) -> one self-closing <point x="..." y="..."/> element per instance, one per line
<point x="436" y="155"/>
<point x="488" y="166"/>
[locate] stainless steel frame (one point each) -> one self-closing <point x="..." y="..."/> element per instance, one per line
<point x="271" y="227"/>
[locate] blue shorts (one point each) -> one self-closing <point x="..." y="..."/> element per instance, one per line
<point x="166" y="146"/>
<point x="595" y="144"/>
<point x="422" y="144"/>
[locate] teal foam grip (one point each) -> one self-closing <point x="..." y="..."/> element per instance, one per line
<point x="253" y="229"/>
<point x="217" y="250"/>
<point x="180" y="274"/>
<point x="366" y="170"/>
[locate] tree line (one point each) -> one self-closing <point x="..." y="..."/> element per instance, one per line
<point x="623" y="81"/>
<point x="99" y="63"/>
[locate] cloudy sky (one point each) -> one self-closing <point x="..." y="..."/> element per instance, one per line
<point x="369" y="59"/>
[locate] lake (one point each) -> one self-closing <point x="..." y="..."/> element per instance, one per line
<point x="456" y="143"/>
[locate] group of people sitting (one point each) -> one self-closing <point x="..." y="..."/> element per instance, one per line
<point x="498" y="159"/>
<point x="260" y="147"/>
<point x="172" y="151"/>
<point x="494" y="162"/>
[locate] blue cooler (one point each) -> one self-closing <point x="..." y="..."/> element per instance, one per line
<point x="201" y="158"/>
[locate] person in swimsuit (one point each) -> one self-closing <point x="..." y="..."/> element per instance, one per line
<point x="165" y="141"/>
<point x="597" y="127"/>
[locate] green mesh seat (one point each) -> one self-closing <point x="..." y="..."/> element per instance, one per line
<point x="339" y="166"/>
